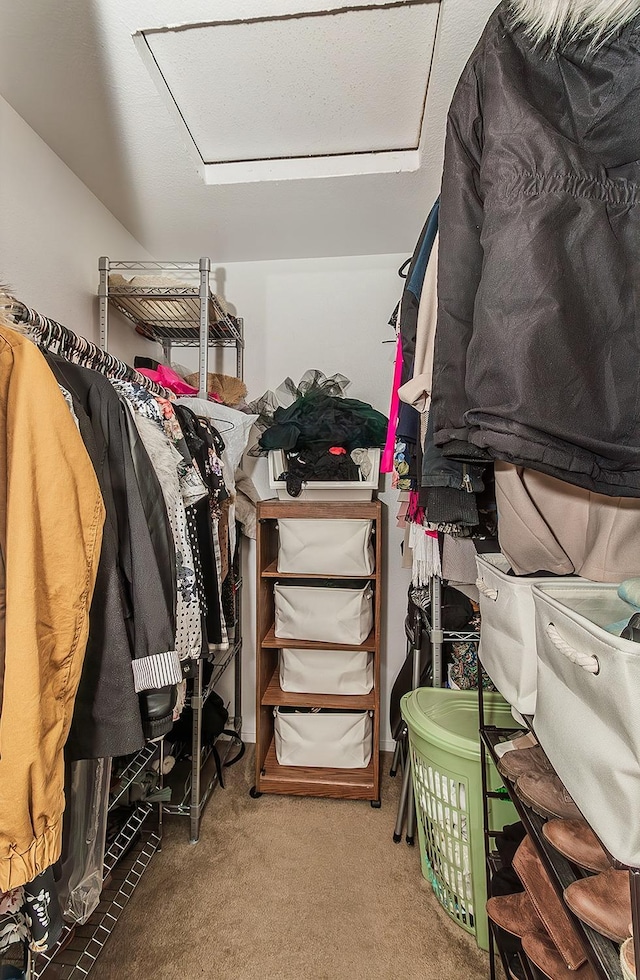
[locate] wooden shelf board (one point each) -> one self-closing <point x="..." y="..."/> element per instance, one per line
<point x="352" y="702"/>
<point x="279" y="643"/>
<point x="351" y="784"/>
<point x="315" y="509"/>
<point x="272" y="572"/>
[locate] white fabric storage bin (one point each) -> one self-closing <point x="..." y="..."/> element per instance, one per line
<point x="328" y="615"/>
<point x="361" y="489"/>
<point x="588" y="711"/>
<point x="326" y="671"/>
<point x="507" y="633"/>
<point x="327" y="739"/>
<point x="318" y="547"/>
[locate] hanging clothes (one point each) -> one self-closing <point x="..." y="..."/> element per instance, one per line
<point x="133" y="628"/>
<point x="207" y="447"/>
<point x="106" y="718"/>
<point x="539" y="288"/>
<point x="50" y="560"/>
<point x="549" y="525"/>
<point x="181" y="486"/>
<point x="417" y="390"/>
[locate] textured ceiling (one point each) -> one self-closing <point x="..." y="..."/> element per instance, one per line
<point x="317" y="85"/>
<point x="74" y="73"/>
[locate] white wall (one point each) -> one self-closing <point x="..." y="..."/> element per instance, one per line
<point x="52" y="232"/>
<point x="330" y="314"/>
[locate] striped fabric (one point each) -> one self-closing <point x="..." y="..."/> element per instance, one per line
<point x="159" y="670"/>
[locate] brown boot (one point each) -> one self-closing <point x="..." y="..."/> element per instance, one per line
<point x="603" y="902"/>
<point x="576" y="841"/>
<point x="548" y="905"/>
<point x="514" y="764"/>
<point x="515" y="914"/>
<point x="545" y="793"/>
<point x="542" y="953"/>
<point x="525" y="740"/>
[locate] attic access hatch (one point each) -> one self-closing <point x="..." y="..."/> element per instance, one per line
<point x="316" y="94"/>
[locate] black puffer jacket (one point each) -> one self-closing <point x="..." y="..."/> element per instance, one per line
<point x="537" y="354"/>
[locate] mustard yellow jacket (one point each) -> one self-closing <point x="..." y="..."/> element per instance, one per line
<point x="51" y="517"/>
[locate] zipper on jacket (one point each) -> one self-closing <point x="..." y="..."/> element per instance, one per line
<point x="466" y="479"/>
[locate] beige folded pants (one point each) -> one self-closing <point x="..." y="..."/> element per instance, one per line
<point x="545" y="524"/>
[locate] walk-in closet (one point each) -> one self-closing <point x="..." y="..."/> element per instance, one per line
<point x="319" y="489"/>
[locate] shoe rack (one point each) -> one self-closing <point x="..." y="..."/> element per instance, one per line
<point x="602" y="954"/>
<point x="271" y="777"/>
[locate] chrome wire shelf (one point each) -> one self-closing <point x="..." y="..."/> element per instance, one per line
<point x="169" y="312"/>
<point x="185" y="808"/>
<point x="220" y="666"/>
<point x="79" y="946"/>
<point x="139" y="762"/>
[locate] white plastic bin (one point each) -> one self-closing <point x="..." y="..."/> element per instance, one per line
<point x="325" y="547"/>
<point x="362" y="489"/>
<point x="326" y="739"/>
<point x="588" y="710"/>
<point x="326" y="671"/>
<point x="507" y="634"/>
<point x="341" y="615"/>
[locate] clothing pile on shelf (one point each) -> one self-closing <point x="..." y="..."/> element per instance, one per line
<point x="321" y="433"/>
<point x="118" y="536"/>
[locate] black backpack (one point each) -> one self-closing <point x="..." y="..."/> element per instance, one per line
<point x="214" y="719"/>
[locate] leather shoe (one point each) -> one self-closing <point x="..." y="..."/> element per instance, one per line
<point x="576" y="841"/>
<point x="543" y="954"/>
<point x="546" y="795"/>
<point x="516" y="914"/>
<point x="525" y="740"/>
<point x="548" y="905"/>
<point x="603" y="902"/>
<point x="627" y="960"/>
<point x="524" y="762"/>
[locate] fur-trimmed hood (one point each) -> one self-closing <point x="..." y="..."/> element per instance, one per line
<point x="562" y="21"/>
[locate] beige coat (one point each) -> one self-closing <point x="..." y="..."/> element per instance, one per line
<point x="51" y="517"/>
<point x="545" y="524"/>
<point x="417" y="392"/>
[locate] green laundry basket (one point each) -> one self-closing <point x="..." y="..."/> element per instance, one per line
<point x="447" y="782"/>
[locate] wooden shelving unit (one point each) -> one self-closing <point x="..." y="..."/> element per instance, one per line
<point x="271" y="777"/>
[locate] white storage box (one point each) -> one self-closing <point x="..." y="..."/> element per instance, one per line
<point x="325" y="489"/>
<point x="331" y="739"/>
<point x="329" y="615"/>
<point x="507" y="633"/>
<point x="588" y="711"/>
<point x="326" y="671"/>
<point x="325" y="547"/>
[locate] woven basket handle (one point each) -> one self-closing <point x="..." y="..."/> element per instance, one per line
<point x="584" y="660"/>
<point x="486" y="591"/>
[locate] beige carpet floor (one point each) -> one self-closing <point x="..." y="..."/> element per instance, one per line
<point x="283" y="888"/>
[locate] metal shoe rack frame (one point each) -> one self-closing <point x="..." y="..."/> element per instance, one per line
<point x="184" y="314"/>
<point x="125" y="861"/>
<point x="422" y="617"/>
<point x="602" y="954"/>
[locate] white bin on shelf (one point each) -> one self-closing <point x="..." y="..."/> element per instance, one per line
<point x="362" y="489"/>
<point x="325" y="547"/>
<point x="588" y="711"/>
<point x="329" y="615"/>
<point x="326" y="671"/>
<point x="326" y="739"/>
<point x="507" y="633"/>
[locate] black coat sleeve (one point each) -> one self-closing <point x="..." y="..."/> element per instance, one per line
<point x="460" y="255"/>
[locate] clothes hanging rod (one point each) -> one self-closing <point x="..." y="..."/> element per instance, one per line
<point x="60" y="339"/>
